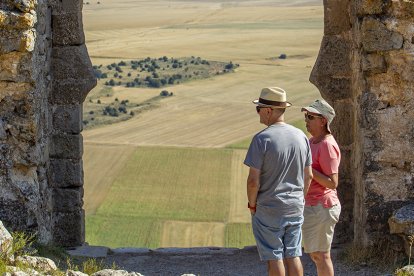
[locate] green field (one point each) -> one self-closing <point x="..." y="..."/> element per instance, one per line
<point x="160" y="184"/>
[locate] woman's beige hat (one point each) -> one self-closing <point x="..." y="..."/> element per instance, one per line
<point x="323" y="108"/>
<point x="273" y="97"/>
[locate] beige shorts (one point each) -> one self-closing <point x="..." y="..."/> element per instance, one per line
<point x="318" y="227"/>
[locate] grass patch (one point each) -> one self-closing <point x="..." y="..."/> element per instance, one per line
<point x="123" y="231"/>
<point x="239" y="235"/>
<point x="159" y="184"/>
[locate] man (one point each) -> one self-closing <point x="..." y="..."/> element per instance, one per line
<point x="280" y="162"/>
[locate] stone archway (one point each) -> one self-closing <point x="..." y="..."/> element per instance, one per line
<point x="364" y="69"/>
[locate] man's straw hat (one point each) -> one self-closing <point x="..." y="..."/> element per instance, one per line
<point x="273" y="97"/>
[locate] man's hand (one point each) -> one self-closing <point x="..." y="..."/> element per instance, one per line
<point x="252" y="208"/>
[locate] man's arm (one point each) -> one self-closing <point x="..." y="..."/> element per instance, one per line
<point x="308" y="175"/>
<point x="253" y="184"/>
<point x="328" y="181"/>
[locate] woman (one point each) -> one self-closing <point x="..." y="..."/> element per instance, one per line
<point x="322" y="206"/>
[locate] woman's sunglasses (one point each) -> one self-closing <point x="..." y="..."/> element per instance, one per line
<point x="310" y="117"/>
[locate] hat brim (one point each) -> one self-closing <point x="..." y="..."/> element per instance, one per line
<point x="288" y="104"/>
<point x="310" y="109"/>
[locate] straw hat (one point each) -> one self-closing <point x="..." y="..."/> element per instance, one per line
<point x="273" y="97"/>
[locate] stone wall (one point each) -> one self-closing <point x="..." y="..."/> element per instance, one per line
<point x="45" y="74"/>
<point x="365" y="68"/>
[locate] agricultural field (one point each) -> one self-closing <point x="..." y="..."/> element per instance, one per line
<point x="170" y="173"/>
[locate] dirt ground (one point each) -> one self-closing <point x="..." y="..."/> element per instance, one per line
<point x="216" y="261"/>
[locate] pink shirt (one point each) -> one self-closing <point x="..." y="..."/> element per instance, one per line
<point x="326" y="157"/>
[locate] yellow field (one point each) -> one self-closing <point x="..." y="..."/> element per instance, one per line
<point x="210" y="113"/>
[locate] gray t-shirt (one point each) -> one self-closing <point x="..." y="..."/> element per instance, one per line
<point x="281" y="153"/>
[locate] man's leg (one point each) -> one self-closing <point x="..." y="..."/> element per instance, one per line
<point x="275" y="268"/>
<point x="294" y="266"/>
<point x="323" y="263"/>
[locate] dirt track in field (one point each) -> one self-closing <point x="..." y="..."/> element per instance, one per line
<point x="192" y="234"/>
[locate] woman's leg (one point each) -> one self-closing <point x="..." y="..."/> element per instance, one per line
<point x="323" y="263"/>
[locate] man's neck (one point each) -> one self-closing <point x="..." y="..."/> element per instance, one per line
<point x="273" y="121"/>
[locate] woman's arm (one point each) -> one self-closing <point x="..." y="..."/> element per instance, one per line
<point x="328" y="181"/>
<point x="307" y="179"/>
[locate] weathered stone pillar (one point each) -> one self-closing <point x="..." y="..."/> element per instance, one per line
<point x="371" y="86"/>
<point x="45" y="74"/>
<point x="72" y="79"/>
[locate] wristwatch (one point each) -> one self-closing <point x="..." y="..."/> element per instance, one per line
<point x="251" y="207"/>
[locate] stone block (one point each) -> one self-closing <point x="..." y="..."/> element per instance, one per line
<point x="73" y="76"/>
<point x="334" y="57"/>
<point x="343" y="126"/>
<point x="371" y="7"/>
<point x="68" y="229"/>
<point x="16" y="215"/>
<point x="66" y="146"/>
<point x="67" y="200"/>
<point x="39" y="263"/>
<point x="15" y="91"/>
<point x="336" y="17"/>
<point x="16" y="41"/>
<point x="68" y="29"/>
<point x="332" y="88"/>
<point x="402" y="223"/>
<point x="402" y="9"/>
<point x="6" y="240"/>
<point x="44" y="24"/>
<point x="374" y="64"/>
<point x="376" y="37"/>
<point x="14" y="67"/>
<point x="66" y="6"/>
<point x="91" y="251"/>
<point x="401" y="66"/>
<point x="68" y="118"/>
<point x="24" y="5"/>
<point x="17" y="21"/>
<point x="390" y="90"/>
<point x="66" y="173"/>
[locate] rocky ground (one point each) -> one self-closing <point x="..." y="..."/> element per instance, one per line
<point x="205" y="261"/>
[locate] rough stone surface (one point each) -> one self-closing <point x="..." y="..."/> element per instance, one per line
<point x="68" y="118"/>
<point x="374" y="104"/>
<point x="376" y="36"/>
<point x="41" y="173"/>
<point x="38" y="263"/>
<point x="89" y="251"/>
<point x="68" y="228"/>
<point x="371" y="7"/>
<point x="6" y="239"/>
<point x="73" y="75"/>
<point x="111" y="272"/>
<point x="66" y="173"/>
<point x="336" y="17"/>
<point x="75" y="273"/>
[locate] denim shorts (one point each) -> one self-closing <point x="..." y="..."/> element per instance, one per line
<point x="277" y="237"/>
<point x="318" y="227"/>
